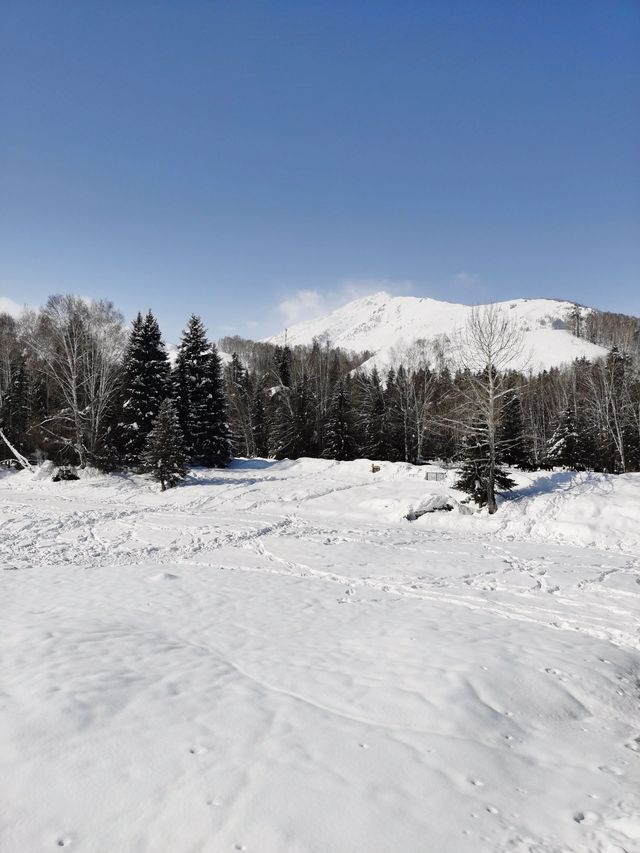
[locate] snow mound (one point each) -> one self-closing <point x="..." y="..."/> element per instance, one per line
<point x="585" y="509"/>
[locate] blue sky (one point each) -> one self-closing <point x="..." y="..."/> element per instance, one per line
<point x="221" y="157"/>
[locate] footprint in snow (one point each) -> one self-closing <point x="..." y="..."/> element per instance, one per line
<point x="586" y="818"/>
<point x="614" y="771"/>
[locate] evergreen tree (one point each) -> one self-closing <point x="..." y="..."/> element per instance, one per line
<point x="259" y="423"/>
<point x="15" y="410"/>
<point x="475" y="473"/>
<point x="395" y="424"/>
<point x="165" y="456"/>
<point x="146" y="383"/>
<point x="190" y="381"/>
<point x="511" y="434"/>
<point x="293" y="433"/>
<point x="217" y="448"/>
<point x="282" y="365"/>
<point x="562" y="448"/>
<point x="200" y="397"/>
<point x="340" y="441"/>
<point x="375" y="426"/>
<point x="239" y="391"/>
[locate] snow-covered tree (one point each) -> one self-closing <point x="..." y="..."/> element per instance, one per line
<point x="165" y="456"/>
<point x="200" y="397"/>
<point x="562" y="448"/>
<point x="146" y="383"/>
<point x="217" y="449"/>
<point x="481" y="474"/>
<point x="511" y="437"/>
<point x="77" y="345"/>
<point x="259" y="422"/>
<point x="293" y="433"/>
<point x="340" y="439"/>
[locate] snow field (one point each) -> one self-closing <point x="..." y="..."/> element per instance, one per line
<point x="272" y="659"/>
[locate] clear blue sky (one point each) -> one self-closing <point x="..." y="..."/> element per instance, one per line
<point x="217" y="157"/>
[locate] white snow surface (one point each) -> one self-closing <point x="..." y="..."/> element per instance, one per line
<point x="273" y="659"/>
<point x="389" y="325"/>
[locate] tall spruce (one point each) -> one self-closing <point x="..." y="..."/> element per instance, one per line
<point x="259" y="422"/>
<point x="200" y="397"/>
<point x="217" y="450"/>
<point x="340" y="439"/>
<point x="146" y="383"/>
<point x="165" y="455"/>
<point x="376" y="445"/>
<point x="239" y="393"/>
<point x="511" y="437"/>
<point x="563" y="446"/>
<point x="293" y="434"/>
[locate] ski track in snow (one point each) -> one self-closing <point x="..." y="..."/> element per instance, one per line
<point x="271" y="659"/>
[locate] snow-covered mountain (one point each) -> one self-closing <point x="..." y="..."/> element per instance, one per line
<point x="388" y="326"/>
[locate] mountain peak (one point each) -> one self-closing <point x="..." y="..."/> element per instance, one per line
<point x="388" y="325"/>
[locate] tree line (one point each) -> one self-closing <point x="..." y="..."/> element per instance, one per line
<point x="78" y="387"/>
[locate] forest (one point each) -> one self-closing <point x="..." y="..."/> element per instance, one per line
<point x="79" y="387"/>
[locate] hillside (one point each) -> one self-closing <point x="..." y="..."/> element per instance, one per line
<point x="388" y="325"/>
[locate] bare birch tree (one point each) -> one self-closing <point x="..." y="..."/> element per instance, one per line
<point x="487" y="348"/>
<point x="79" y="347"/>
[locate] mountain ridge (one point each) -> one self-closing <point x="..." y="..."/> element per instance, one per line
<point x="389" y="326"/>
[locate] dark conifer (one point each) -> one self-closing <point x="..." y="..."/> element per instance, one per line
<point x="146" y="383"/>
<point x="340" y="441"/>
<point x="511" y="435"/>
<point x="562" y="448"/>
<point x="217" y="448"/>
<point x="259" y="422"/>
<point x="476" y="472"/>
<point x="375" y="425"/>
<point x="165" y="456"/>
<point x="293" y="433"/>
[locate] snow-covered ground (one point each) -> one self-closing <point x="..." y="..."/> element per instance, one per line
<point x="272" y="659"/>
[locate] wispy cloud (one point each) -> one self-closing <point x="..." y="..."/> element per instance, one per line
<point x="302" y="305"/>
<point x="306" y="304"/>
<point x="466" y="278"/>
<point x="8" y="306"/>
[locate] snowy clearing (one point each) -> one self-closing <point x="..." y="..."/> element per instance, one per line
<point x="273" y="659"/>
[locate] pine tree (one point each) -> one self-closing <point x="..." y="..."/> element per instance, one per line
<point x="239" y="392"/>
<point x="217" y="448"/>
<point x="475" y="472"/>
<point x="562" y="448"/>
<point x="511" y="434"/>
<point x="375" y="425"/>
<point x="146" y="383"/>
<point x="190" y="380"/>
<point x="15" y="409"/>
<point x="282" y="365"/>
<point x="165" y="456"/>
<point x="259" y="423"/>
<point x="293" y="433"/>
<point x="340" y="441"/>
<point x="200" y="399"/>
<point x="395" y="426"/>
